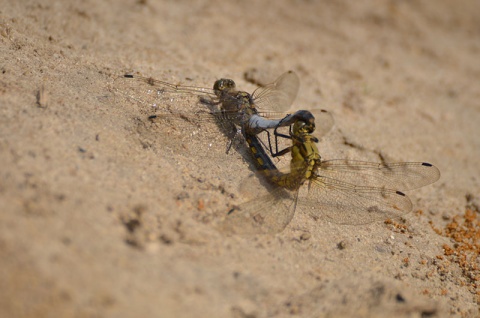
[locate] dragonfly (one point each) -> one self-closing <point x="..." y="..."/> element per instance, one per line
<point x="229" y="108"/>
<point x="341" y="191"/>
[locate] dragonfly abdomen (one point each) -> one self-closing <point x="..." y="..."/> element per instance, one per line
<point x="265" y="165"/>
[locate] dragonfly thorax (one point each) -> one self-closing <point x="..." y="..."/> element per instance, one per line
<point x="245" y="101"/>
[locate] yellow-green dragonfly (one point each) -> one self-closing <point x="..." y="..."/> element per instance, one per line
<point x="341" y="191"/>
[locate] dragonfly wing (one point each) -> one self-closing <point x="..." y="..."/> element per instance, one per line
<point x="279" y="95"/>
<point x="323" y="122"/>
<point x="344" y="203"/>
<point x="183" y="113"/>
<point x="400" y="175"/>
<point x="154" y="94"/>
<point x="149" y="83"/>
<point x="267" y="214"/>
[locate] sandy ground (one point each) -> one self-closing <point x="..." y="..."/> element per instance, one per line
<point x="106" y="215"/>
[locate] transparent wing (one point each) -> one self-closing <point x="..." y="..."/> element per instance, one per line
<point x="189" y="113"/>
<point x="345" y="203"/>
<point x="268" y="214"/>
<point x="400" y="175"/>
<point x="134" y="86"/>
<point x="279" y="95"/>
<point x="322" y="198"/>
<point x="267" y="209"/>
<point x="358" y="192"/>
<point x="323" y="122"/>
<point x="366" y="197"/>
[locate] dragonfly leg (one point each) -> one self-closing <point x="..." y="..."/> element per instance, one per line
<point x="235" y="139"/>
<point x="276" y="153"/>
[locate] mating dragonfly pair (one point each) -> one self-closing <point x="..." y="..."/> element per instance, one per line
<point x="341" y="191"/>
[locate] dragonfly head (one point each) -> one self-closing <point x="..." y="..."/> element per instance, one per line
<point x="223" y="85"/>
<point x="302" y="128"/>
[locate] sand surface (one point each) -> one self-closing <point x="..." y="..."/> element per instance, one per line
<point x="104" y="214"/>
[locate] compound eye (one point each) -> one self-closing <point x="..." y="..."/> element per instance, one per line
<point x="218" y="86"/>
<point x="311" y="127"/>
<point x="230" y="84"/>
